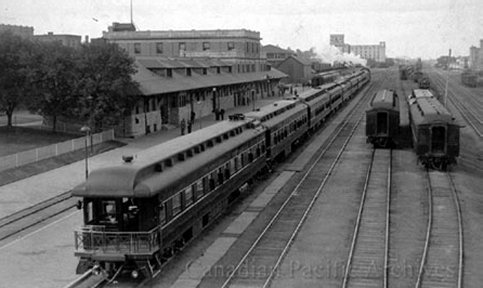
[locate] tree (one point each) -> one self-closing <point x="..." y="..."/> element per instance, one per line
<point x="55" y="81"/>
<point x="16" y="72"/>
<point x="106" y="89"/>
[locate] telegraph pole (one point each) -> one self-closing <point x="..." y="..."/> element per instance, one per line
<point x="447" y="76"/>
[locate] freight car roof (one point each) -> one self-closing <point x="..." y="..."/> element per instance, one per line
<point x="428" y="111"/>
<point x="384" y="99"/>
<point x="124" y="180"/>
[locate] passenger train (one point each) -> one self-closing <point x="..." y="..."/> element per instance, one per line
<point x="382" y="119"/>
<point x="435" y="131"/>
<point x="139" y="213"/>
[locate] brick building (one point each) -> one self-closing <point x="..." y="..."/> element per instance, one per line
<point x="73" y="41"/>
<point x="476" y="57"/>
<point x="195" y="72"/>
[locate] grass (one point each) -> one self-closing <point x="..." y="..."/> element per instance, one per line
<point x="17" y="139"/>
<point x="25" y="171"/>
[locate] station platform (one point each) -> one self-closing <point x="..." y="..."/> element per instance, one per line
<point x="25" y="193"/>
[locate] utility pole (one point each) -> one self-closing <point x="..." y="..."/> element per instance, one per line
<point x="447" y="76"/>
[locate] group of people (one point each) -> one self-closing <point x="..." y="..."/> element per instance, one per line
<point x="189" y="125"/>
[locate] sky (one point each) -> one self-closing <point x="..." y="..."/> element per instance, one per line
<point x="410" y="28"/>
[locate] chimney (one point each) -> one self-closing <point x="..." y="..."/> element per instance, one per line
<point x="481" y="43"/>
<point x="86" y="39"/>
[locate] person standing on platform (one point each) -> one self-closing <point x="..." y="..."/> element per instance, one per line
<point x="222" y="114"/>
<point x="190" y="124"/>
<point x="193" y="116"/>
<point x="183" y="126"/>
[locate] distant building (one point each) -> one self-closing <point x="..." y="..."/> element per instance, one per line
<point x="275" y="55"/>
<point x="298" y="69"/>
<point x="476" y="57"/>
<point x="376" y="53"/>
<point x="23" y="31"/>
<point x="373" y="52"/>
<point x="73" y="41"/>
<point x="337" y="40"/>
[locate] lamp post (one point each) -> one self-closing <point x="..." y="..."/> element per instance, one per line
<point x="86" y="129"/>
<point x="253" y="99"/>
<point x="201" y="110"/>
<point x="268" y="85"/>
<point x="216" y="104"/>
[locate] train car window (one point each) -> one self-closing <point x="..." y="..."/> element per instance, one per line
<point x="176" y="202"/>
<point x="188" y="196"/>
<point x="189" y="153"/>
<point x="225" y="136"/>
<point x="227" y="171"/>
<point x="210" y="143"/>
<point x="202" y="184"/>
<point x="237" y="163"/>
<point x="250" y="157"/>
<point x="218" y="139"/>
<point x="162" y="213"/>
<point x="263" y="148"/>
<point x="168" y="162"/>
<point x="221" y="177"/>
<point x="108" y="212"/>
<point x="181" y="156"/>
<point x="202" y="147"/>
<point x="89" y="211"/>
<point x="197" y="149"/>
<point x="258" y="151"/>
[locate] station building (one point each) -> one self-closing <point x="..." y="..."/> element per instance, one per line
<point x="195" y="73"/>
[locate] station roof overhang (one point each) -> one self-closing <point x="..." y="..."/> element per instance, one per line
<point x="152" y="84"/>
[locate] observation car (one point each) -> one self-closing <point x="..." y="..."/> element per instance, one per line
<point x="137" y="214"/>
<point x="435" y="131"/>
<point x="382" y="119"/>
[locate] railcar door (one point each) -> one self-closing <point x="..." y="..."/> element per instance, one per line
<point x="438" y="139"/>
<point x="382" y="123"/>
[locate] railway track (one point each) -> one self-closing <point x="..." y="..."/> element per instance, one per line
<point x="367" y="264"/>
<point x="22" y="220"/>
<point x="269" y="249"/>
<point x="470" y="116"/>
<point x="442" y="261"/>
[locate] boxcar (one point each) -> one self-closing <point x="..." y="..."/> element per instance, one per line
<point x="382" y="119"/>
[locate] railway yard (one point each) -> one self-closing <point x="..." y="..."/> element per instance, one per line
<point x="336" y="213"/>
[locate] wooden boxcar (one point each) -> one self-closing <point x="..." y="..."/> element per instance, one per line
<point x="382" y="119"/>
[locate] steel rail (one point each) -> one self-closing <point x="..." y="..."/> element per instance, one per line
<point x="285" y="203"/>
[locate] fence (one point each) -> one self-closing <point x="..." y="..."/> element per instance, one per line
<point x="34" y="155"/>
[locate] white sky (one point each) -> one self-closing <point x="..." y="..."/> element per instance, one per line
<point x="414" y="28"/>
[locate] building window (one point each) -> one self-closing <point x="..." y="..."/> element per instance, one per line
<point x="188" y="71"/>
<point x="218" y="70"/>
<point x="231" y="46"/>
<point x="182" y="46"/>
<point x="248" y="47"/>
<point x="169" y="72"/>
<point x="206" y="46"/>
<point x="159" y="48"/>
<point x="205" y="71"/>
<point x="137" y="48"/>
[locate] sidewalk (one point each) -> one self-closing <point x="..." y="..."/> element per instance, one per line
<point x="30" y="191"/>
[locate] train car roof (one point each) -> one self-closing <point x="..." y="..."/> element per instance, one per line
<point x="419" y="93"/>
<point x="428" y="111"/>
<point x="269" y="115"/>
<point x="126" y="180"/>
<point x="384" y="99"/>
